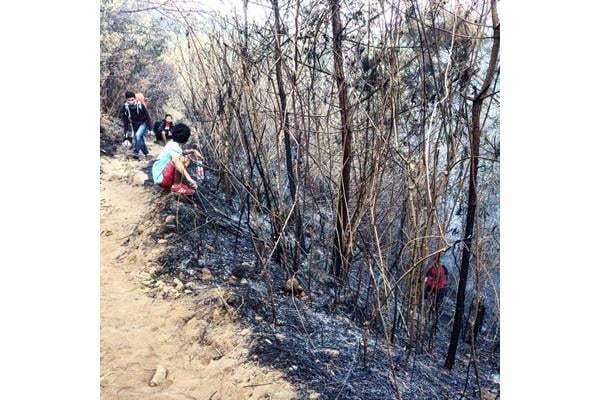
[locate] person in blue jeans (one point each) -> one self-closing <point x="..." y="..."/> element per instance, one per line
<point x="135" y="122"/>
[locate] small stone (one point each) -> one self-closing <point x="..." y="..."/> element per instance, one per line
<point x="244" y="281"/>
<point x="170" y="219"/>
<point x="245" y="332"/>
<point x="159" y="375"/>
<point x="292" y="285"/>
<point x="143" y="275"/>
<point x="279" y="336"/>
<point x="170" y="227"/>
<point x="191" y="286"/>
<point x="333" y="353"/>
<point x="239" y="271"/>
<point x="162" y="241"/>
<point x="487" y="395"/>
<point x="205" y="274"/>
<point x="178" y="284"/>
<point x="314" y="396"/>
<point x="258" y="318"/>
<point x="138" y="179"/>
<point x="153" y="271"/>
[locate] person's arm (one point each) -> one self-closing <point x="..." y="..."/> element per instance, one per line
<point x="195" y="152"/>
<point x="161" y="131"/>
<point x="180" y="167"/>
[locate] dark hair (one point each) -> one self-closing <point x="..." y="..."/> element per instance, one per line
<point x="168" y="115"/>
<point x="129" y="95"/>
<point x="180" y="133"/>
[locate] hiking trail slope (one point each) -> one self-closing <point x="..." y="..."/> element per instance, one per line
<point x="203" y="349"/>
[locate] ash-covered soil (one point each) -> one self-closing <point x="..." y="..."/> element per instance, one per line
<point x="319" y="347"/>
<point x="325" y="350"/>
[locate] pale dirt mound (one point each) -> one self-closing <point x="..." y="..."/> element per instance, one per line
<point x="202" y="347"/>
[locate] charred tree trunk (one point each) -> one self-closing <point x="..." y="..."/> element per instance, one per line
<point x="285" y="119"/>
<point x="472" y="199"/>
<point x="474" y="320"/>
<point x="343" y="242"/>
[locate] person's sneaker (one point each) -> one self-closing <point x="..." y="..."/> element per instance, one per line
<point x="135" y="156"/>
<point x="181" y="188"/>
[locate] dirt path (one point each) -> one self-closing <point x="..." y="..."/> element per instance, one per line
<point x="202" y="348"/>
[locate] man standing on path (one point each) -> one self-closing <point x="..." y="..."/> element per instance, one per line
<point x="135" y="122"/>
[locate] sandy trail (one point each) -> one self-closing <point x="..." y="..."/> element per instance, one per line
<point x="202" y="347"/>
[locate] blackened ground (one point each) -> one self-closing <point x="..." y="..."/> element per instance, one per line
<point x="319" y="349"/>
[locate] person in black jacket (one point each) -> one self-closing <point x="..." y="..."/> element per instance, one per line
<point x="135" y="122"/>
<point x="162" y="129"/>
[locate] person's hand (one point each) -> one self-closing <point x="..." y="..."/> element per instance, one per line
<point x="193" y="184"/>
<point x="198" y="155"/>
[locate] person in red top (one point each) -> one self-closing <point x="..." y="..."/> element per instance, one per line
<point x="435" y="282"/>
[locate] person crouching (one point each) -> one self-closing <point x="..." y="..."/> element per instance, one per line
<point x="171" y="164"/>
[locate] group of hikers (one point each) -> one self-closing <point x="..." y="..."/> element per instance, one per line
<point x="172" y="162"/>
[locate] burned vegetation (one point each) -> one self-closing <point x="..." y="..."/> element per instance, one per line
<point x="348" y="148"/>
<point x="324" y="341"/>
